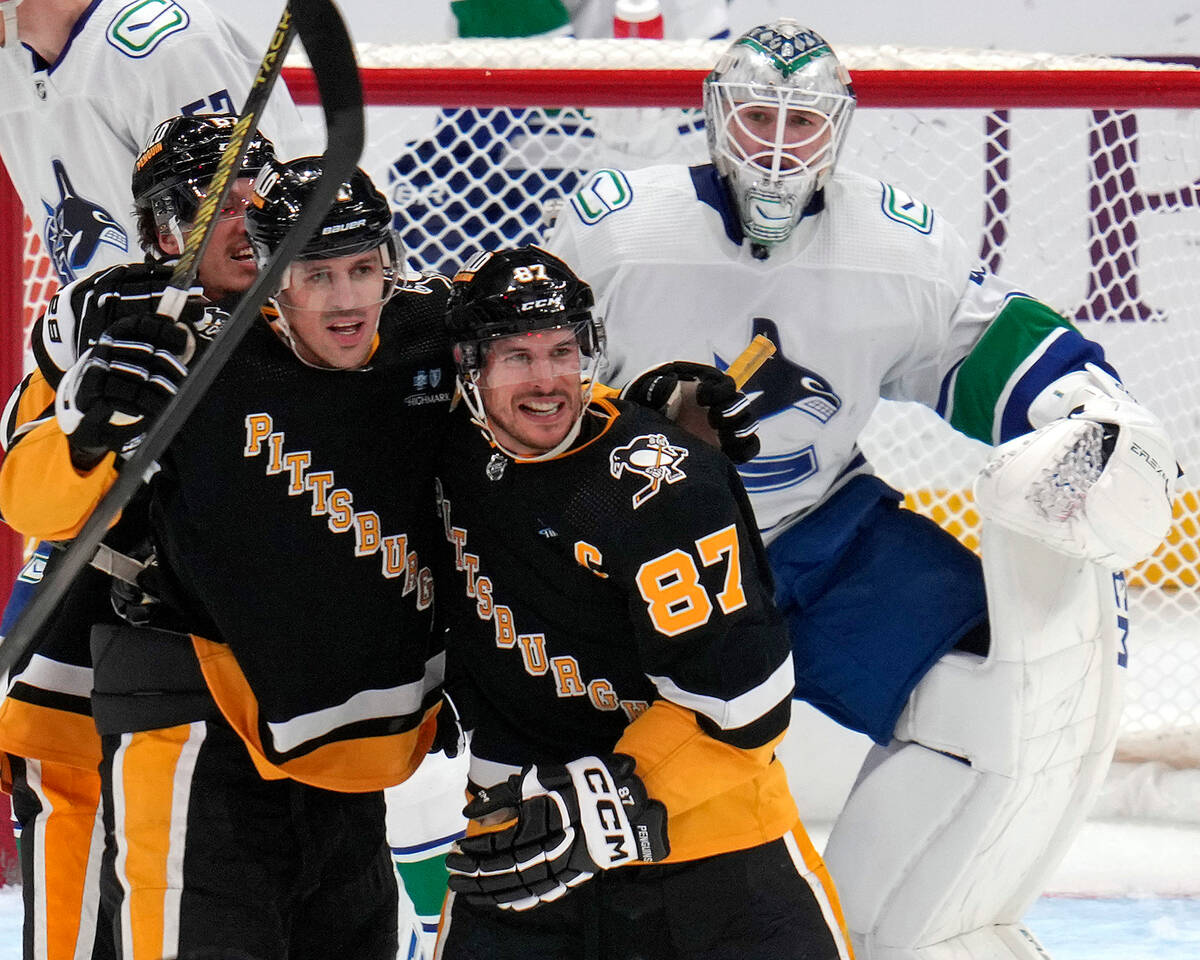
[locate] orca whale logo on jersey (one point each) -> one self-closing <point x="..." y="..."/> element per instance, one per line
<point x="784" y="384"/>
<point x="775" y="388"/>
<point x="76" y="227"/>
<point x="652" y="456"/>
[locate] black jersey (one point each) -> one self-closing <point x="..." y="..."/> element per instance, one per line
<point x="618" y="586"/>
<point x="296" y="509"/>
<point x="47" y="713"/>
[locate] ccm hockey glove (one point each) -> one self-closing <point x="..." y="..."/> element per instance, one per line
<point x="106" y="398"/>
<point x="725" y="406"/>
<point x="592" y="814"/>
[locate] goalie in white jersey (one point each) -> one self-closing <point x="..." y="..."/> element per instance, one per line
<point x="982" y="774"/>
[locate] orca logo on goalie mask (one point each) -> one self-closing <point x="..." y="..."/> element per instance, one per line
<point x="75" y="229"/>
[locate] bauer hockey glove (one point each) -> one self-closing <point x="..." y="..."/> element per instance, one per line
<point x="592" y="814"/>
<point x="727" y="409"/>
<point x="107" y="397"/>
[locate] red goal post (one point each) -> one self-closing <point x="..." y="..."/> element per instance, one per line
<point x="1074" y="176"/>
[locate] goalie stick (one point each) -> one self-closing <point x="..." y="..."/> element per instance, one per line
<point x="323" y="33"/>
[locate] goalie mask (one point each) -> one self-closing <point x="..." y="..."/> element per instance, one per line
<point x="777" y="107"/>
<point x="175" y="168"/>
<point x="527" y="349"/>
<point x="331" y="294"/>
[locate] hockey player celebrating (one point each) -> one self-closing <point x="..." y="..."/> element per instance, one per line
<point x="46" y="721"/>
<point x="982" y="775"/>
<point x="617" y="656"/>
<point x="260" y="715"/>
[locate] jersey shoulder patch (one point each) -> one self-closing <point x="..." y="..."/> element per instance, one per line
<point x="139" y="27"/>
<point x="604" y="192"/>
<point x="906" y="209"/>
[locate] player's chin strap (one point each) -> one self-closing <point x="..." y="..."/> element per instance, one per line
<point x="12" y="40"/>
<point x="470" y="393"/>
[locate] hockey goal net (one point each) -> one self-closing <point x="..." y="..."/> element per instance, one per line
<point x="1076" y="177"/>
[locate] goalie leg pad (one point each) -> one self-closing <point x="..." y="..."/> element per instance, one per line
<point x="956" y="831"/>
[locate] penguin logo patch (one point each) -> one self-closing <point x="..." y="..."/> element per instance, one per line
<point x="651" y="456"/>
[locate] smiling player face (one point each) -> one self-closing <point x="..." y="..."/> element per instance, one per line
<point x="531" y="389"/>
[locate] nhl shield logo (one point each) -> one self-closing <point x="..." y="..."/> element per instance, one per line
<point x="652" y="456"/>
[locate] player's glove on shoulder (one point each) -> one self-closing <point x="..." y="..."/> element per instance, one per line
<point x="727" y="407"/>
<point x="107" y="397"/>
<point x="591" y="814"/>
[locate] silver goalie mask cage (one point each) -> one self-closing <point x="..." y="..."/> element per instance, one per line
<point x="777" y="107"/>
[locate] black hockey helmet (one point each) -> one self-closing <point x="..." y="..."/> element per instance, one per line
<point x="172" y="172"/>
<point x="359" y="219"/>
<point x="507" y="292"/>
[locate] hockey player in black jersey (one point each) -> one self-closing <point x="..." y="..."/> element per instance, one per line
<point x="46" y="719"/>
<point x="248" y="735"/>
<point x="616" y="654"/>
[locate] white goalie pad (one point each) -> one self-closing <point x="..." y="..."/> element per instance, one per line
<point x="951" y="834"/>
<point x="1095" y="480"/>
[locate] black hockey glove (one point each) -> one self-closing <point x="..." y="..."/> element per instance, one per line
<point x="592" y="814"/>
<point x="726" y="407"/>
<point x="105" y="400"/>
<point x="449" y="738"/>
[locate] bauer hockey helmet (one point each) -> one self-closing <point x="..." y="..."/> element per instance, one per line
<point x="508" y="293"/>
<point x="359" y="219"/>
<point x="777" y="107"/>
<point x="172" y="172"/>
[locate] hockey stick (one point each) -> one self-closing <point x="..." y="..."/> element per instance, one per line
<point x="746" y="364"/>
<point x="331" y="54"/>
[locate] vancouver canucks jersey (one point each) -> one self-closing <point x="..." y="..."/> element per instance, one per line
<point x="874" y="295"/>
<point x="70" y="130"/>
<point x="617" y="598"/>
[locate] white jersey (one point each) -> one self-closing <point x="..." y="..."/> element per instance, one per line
<point x="876" y="296"/>
<point x="70" y="131"/>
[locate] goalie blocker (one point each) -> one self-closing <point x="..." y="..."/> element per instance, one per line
<point x="996" y="760"/>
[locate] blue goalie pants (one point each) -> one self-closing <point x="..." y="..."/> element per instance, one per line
<point x="874" y="595"/>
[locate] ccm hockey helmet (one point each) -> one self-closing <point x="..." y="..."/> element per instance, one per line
<point x="509" y="293"/>
<point x="777" y="107"/>
<point x="175" y="167"/>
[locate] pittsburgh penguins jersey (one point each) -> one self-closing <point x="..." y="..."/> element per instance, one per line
<point x="47" y="712"/>
<point x="296" y="510"/>
<point x="874" y="295"/>
<point x="617" y="598"/>
<point x="70" y="130"/>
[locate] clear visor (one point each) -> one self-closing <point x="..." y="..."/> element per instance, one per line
<point x="541" y="356"/>
<point x="338" y="284"/>
<point x="175" y="212"/>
